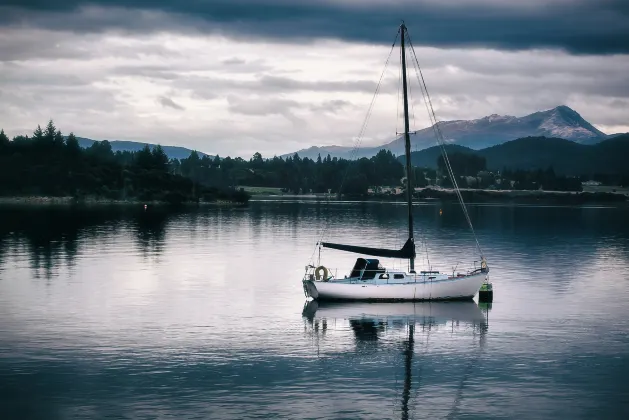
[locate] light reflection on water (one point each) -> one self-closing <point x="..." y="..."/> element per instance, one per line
<point x="201" y="314"/>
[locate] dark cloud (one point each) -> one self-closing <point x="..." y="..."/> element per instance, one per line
<point x="148" y="71"/>
<point x="260" y="107"/>
<point x="234" y="61"/>
<point x="278" y="83"/>
<point x="240" y="65"/>
<point x="333" y="106"/>
<point x="578" y="26"/>
<point x="169" y="103"/>
<point x="22" y="44"/>
<point x="280" y="106"/>
<point x="208" y="87"/>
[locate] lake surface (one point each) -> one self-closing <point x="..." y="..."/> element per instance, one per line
<point x="201" y="314"/>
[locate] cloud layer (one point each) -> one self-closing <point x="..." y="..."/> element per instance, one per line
<point x="224" y="77"/>
<point x="577" y="26"/>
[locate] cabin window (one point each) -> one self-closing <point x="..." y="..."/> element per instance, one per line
<point x="384" y="276"/>
<point x="398" y="276"/>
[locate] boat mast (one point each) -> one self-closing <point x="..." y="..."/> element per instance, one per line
<point x="407" y="147"/>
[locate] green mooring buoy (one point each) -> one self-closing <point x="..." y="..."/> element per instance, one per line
<point x="486" y="293"/>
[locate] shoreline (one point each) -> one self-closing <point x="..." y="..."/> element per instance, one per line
<point x="104" y="202"/>
<point x="523" y="196"/>
<point x="424" y="194"/>
<point x="476" y="196"/>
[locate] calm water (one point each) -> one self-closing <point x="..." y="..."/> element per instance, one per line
<point x="131" y="314"/>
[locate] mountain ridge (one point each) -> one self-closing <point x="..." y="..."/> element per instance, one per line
<point x="561" y="121"/>
<point x="173" y="152"/>
<point x="531" y="153"/>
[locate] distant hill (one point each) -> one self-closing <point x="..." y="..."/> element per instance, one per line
<point x="562" y="122"/>
<point x="616" y="135"/>
<point x="173" y="152"/>
<point x="314" y="152"/>
<point x="566" y="157"/>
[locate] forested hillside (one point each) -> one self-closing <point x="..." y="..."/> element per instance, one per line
<point x="173" y="152"/>
<point x="532" y="153"/>
<point x="48" y="164"/>
<point x="294" y="174"/>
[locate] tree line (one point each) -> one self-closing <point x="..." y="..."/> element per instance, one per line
<point x="51" y="164"/>
<point x="295" y="174"/>
<point x="473" y="173"/>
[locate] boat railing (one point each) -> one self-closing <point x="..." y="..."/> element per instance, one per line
<point x="421" y="276"/>
<point x="311" y="274"/>
<point x="470" y="271"/>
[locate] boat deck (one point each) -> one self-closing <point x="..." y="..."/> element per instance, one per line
<point x="394" y="277"/>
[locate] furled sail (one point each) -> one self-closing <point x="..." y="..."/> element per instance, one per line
<point x="407" y="251"/>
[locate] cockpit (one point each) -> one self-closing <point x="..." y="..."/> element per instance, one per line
<point x="366" y="269"/>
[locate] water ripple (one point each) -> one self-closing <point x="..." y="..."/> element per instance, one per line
<point x="199" y="315"/>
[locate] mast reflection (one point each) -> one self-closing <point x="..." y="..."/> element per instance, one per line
<point x="370" y="321"/>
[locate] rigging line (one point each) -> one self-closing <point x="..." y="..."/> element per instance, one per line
<point x="361" y="133"/>
<point x="410" y="91"/>
<point x="397" y="121"/>
<point x="370" y="110"/>
<point x="422" y="235"/>
<point x="397" y="110"/>
<point x="397" y="104"/>
<point x="441" y="143"/>
<point x="454" y="411"/>
<point x="415" y="147"/>
<point x="419" y="370"/>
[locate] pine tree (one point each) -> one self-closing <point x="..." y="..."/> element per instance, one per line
<point x="50" y="131"/>
<point x="160" y="159"/>
<point x="59" y="142"/>
<point x="144" y="157"/>
<point x="38" y="134"/>
<point x="4" y="140"/>
<point x="72" y="144"/>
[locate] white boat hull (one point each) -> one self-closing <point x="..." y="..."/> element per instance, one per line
<point x="456" y="288"/>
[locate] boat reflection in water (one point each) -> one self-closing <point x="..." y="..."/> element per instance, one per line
<point x="370" y="322"/>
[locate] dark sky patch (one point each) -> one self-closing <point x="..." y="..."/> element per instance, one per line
<point x="166" y="102"/>
<point x="577" y="26"/>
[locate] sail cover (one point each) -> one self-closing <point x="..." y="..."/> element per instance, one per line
<point x="407" y="251"/>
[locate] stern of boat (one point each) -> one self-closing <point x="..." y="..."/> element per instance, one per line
<point x="310" y="289"/>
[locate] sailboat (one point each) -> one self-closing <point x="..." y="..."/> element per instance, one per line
<point x="368" y="279"/>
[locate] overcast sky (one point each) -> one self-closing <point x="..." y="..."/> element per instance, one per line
<point x="238" y="76"/>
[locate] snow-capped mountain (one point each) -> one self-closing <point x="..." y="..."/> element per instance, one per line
<point x="562" y="122"/>
<point x="566" y="123"/>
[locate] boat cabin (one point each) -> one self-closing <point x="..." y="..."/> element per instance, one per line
<point x="366" y="269"/>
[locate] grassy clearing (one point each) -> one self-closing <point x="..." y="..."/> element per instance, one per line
<point x="262" y="190"/>
<point x="606" y="189"/>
